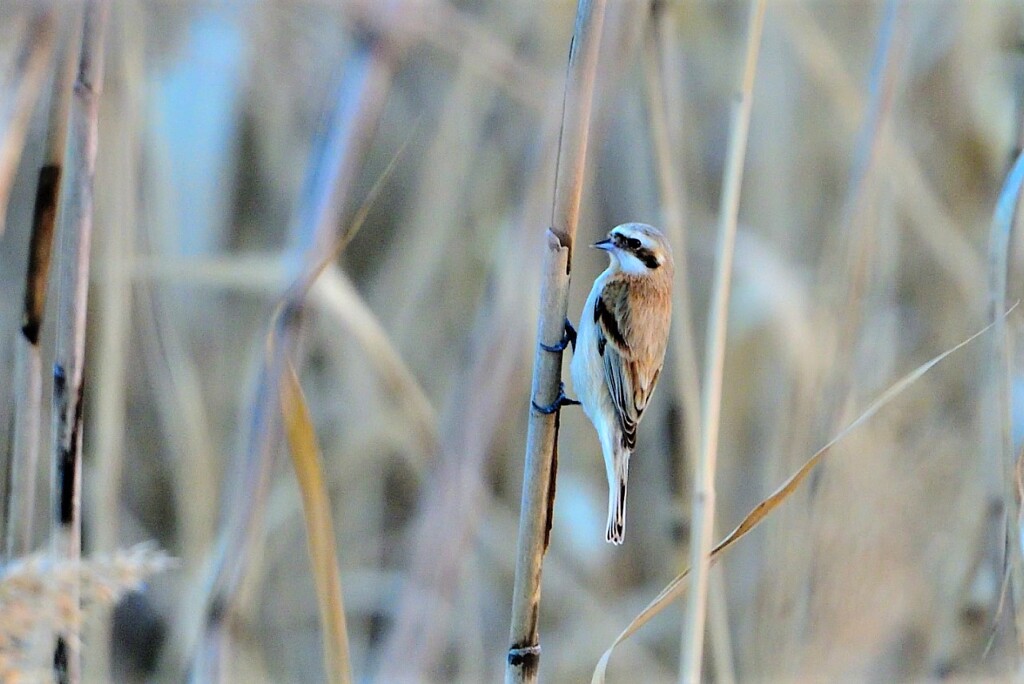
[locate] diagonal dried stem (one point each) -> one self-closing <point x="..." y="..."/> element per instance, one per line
<point x="674" y="589"/>
<point x="542" y="432"/>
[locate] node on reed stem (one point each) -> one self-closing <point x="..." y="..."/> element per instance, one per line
<point x="523" y="659"/>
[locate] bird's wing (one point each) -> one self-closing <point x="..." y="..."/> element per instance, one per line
<point x="629" y="374"/>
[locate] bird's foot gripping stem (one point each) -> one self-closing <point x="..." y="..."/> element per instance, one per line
<point x="568" y="337"/>
<point x="560" y="401"/>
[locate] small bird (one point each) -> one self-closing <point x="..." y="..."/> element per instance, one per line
<point x="620" y="349"/>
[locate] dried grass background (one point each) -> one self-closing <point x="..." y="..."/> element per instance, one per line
<point x="417" y="350"/>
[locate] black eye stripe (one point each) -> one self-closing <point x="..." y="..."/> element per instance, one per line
<point x="636" y="248"/>
<point x="625" y="242"/>
<point x="647" y="257"/>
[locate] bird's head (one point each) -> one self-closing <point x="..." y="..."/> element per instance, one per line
<point x="637" y="248"/>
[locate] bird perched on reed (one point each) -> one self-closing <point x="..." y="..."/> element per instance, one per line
<point x="620" y="349"/>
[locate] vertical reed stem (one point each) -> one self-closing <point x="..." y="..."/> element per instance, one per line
<point x="28" y="360"/>
<point x="76" y="215"/>
<point x="542" y="432"/>
<point x="704" y="482"/>
<point x="684" y="338"/>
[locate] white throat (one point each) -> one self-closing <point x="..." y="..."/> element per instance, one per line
<point x="628" y="263"/>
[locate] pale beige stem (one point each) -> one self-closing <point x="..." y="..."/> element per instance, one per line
<point x="684" y="337"/>
<point x="542" y="432"/>
<point x="704" y="482"/>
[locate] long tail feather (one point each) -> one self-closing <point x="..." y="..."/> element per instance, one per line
<point x="616" y="530"/>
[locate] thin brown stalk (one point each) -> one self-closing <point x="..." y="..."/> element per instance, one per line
<point x="704" y="481"/>
<point x="20" y="507"/>
<point x="541" y="440"/>
<point x="18" y="99"/>
<point x="76" y="217"/>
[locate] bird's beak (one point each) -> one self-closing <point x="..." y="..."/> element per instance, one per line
<point x="605" y="244"/>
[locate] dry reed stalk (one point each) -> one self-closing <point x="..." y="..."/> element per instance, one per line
<point x="599" y="614"/>
<point x="76" y="219"/>
<point x="28" y="408"/>
<point x="703" y="516"/>
<point x="114" y="287"/>
<point x="120" y="165"/>
<point x="19" y="98"/>
<point x="684" y="338"/>
<point x="1000" y="375"/>
<point x="356" y="112"/>
<point x="453" y="494"/>
<point x="542" y="432"/>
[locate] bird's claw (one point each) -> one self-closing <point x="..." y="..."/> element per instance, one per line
<point x="568" y="337"/>
<point x="560" y="401"/>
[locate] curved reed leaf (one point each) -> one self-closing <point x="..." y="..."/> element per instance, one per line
<point x="675" y="588"/>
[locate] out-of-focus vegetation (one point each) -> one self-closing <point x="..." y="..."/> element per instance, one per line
<point x="880" y="136"/>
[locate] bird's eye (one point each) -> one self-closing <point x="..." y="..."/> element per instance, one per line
<point x="633" y="243"/>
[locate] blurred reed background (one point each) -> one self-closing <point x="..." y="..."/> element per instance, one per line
<point x="880" y="136"/>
